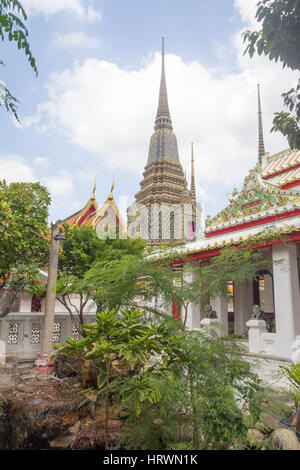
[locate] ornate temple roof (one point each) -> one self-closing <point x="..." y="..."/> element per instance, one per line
<point x="207" y="247"/>
<point x="283" y="168"/>
<point x="163" y="144"/>
<point x="81" y="217"/>
<point x="93" y="215"/>
<point x="257" y="203"/>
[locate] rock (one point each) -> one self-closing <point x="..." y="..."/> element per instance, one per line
<point x="255" y="439"/>
<point x="92" y="436"/>
<point x="271" y="423"/>
<point x="89" y="374"/>
<point x="284" y="439"/>
<point x="68" y="365"/>
<point x="62" y="442"/>
<point x="295" y="420"/>
<point x="76" y="428"/>
<point x="25" y="388"/>
<point x="4" y="426"/>
<point x="44" y="415"/>
<point x="8" y="375"/>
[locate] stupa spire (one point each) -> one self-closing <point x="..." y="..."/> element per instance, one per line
<point x="193" y="187"/>
<point x="261" y="145"/>
<point x="163" y="118"/>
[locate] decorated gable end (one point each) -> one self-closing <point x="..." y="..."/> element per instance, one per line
<point x="258" y="203"/>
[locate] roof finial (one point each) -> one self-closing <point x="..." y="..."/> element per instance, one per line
<point x="193" y="188"/>
<point x="112" y="188"/>
<point x="261" y="145"/>
<point x="163" y="118"/>
<point x="94" y="190"/>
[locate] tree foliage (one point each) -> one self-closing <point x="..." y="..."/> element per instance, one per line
<point x="24" y="244"/>
<point x="279" y="39"/>
<point x="81" y="250"/>
<point x="12" y="27"/>
<point x="174" y="387"/>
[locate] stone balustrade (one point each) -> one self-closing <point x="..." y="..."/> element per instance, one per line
<point x="21" y="333"/>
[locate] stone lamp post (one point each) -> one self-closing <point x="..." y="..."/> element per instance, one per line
<point x="43" y="365"/>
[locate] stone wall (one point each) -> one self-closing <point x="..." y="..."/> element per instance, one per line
<point x="21" y="333"/>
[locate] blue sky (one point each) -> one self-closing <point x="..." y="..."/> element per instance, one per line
<point x="90" y="112"/>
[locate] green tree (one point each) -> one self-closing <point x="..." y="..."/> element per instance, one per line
<point x="279" y="39"/>
<point x="149" y="282"/>
<point x="24" y="245"/>
<point x="118" y="344"/>
<point x="81" y="250"/>
<point x="12" y="27"/>
<point x="175" y="388"/>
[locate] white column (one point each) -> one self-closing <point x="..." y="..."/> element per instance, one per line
<point x="243" y="304"/>
<point x="256" y="329"/>
<point x="193" y="316"/>
<point x="220" y="305"/>
<point x="287" y="297"/>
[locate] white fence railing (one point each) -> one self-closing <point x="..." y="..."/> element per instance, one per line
<point x="22" y="332"/>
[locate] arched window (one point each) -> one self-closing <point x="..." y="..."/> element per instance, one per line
<point x="172" y="226"/>
<point x="160" y="226"/>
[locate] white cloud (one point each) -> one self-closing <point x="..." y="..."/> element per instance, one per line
<point x="110" y="111"/>
<point x="76" y="39"/>
<point x="60" y="185"/>
<point x="50" y="7"/>
<point x="15" y="169"/>
<point x="41" y="161"/>
<point x="247" y="11"/>
<point x="220" y="50"/>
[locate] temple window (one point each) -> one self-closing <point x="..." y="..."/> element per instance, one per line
<point x="172" y="225"/>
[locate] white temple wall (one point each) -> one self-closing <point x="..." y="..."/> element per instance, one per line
<point x="243" y="305"/>
<point x="220" y="305"/>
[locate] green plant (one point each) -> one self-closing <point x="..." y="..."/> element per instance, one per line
<point x="13" y="27"/>
<point x="120" y="345"/>
<point x="279" y="39"/>
<point x="293" y="375"/>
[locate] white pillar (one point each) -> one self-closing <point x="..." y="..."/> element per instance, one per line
<point x="256" y="329"/>
<point x="287" y="297"/>
<point x="220" y="305"/>
<point x="193" y="315"/>
<point x="243" y="304"/>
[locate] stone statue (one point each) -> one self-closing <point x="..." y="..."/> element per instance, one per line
<point x="258" y="314"/>
<point x="210" y="313"/>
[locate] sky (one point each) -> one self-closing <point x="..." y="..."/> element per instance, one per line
<point x="90" y="111"/>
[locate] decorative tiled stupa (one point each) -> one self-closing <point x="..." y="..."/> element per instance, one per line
<point x="165" y="210"/>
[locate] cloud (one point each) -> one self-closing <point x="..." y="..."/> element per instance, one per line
<point x="41" y="161"/>
<point x="109" y="111"/>
<point x="50" y="7"/>
<point x="220" y="50"/>
<point x="61" y="185"/>
<point x="14" y="169"/>
<point x="247" y="11"/>
<point x="76" y="39"/>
